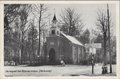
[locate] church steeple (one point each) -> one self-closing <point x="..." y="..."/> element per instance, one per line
<point x="54" y="19"/>
<point x="54" y="30"/>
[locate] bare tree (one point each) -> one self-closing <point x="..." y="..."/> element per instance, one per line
<point x="32" y="39"/>
<point x="23" y="15"/>
<point x="40" y="12"/>
<point x="15" y="20"/>
<point x="72" y="22"/>
<point x="103" y="21"/>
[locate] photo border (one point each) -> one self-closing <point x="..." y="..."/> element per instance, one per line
<point x="2" y="76"/>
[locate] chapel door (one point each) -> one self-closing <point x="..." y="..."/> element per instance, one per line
<point x="52" y="56"/>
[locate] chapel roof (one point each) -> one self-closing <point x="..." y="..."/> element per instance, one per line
<point x="72" y="39"/>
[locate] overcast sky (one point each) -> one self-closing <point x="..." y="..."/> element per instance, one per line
<point x="88" y="11"/>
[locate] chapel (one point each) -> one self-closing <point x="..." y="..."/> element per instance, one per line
<point x="60" y="46"/>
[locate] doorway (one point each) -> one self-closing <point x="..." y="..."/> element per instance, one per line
<point x="52" y="56"/>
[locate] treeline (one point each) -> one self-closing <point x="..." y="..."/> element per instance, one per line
<point x="20" y="32"/>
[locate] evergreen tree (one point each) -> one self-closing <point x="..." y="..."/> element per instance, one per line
<point x="85" y="37"/>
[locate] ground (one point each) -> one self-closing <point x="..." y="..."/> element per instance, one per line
<point x="58" y="70"/>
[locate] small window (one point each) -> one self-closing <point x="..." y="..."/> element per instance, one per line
<point x="53" y="31"/>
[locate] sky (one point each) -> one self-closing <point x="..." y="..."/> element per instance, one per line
<point x="88" y="12"/>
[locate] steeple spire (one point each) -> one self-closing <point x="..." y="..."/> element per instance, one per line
<point x="54" y="18"/>
<point x="54" y="29"/>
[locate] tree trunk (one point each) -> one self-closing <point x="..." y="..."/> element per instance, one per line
<point x="22" y="54"/>
<point x="32" y="46"/>
<point x="109" y="39"/>
<point x="40" y="29"/>
<point x="104" y="38"/>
